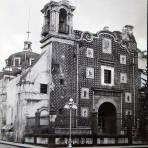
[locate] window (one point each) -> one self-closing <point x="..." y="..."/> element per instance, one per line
<point x="31" y="61"/>
<point x="62" y="81"/>
<point x="123" y="78"/>
<point x="89" y="53"/>
<point x="84" y="93"/>
<point x="43" y="88"/>
<point x="16" y="61"/>
<point x="122" y="59"/>
<point x="63" y="26"/>
<point x="107" y="75"/>
<point x="89" y="72"/>
<point x="106" y="46"/>
<point x="84" y="112"/>
<point x="128" y="98"/>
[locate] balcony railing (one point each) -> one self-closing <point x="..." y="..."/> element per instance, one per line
<point x="45" y="30"/>
<point x="63" y="28"/>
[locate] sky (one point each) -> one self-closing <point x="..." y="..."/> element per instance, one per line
<point x="90" y="15"/>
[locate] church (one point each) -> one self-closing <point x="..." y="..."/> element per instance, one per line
<point x="99" y="71"/>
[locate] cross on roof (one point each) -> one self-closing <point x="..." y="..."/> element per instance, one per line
<point x="28" y="32"/>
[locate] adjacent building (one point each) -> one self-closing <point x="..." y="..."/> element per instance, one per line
<point x="16" y="65"/>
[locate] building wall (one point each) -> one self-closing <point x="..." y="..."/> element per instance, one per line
<point x="2" y="103"/>
<point x="66" y="55"/>
<point x="23" y="94"/>
<point x="29" y="96"/>
<point x="3" y="100"/>
<point x="142" y="66"/>
<point x="111" y="60"/>
<point x="63" y="69"/>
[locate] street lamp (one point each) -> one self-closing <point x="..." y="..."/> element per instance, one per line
<point x="52" y="115"/>
<point x="70" y="105"/>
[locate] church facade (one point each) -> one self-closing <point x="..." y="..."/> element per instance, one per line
<point x="98" y="70"/>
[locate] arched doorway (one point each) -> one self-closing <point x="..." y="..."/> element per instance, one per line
<point x="107" y="119"/>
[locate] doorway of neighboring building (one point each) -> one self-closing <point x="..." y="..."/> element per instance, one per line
<point x="107" y="121"/>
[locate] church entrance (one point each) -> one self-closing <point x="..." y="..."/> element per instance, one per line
<point x="107" y="119"/>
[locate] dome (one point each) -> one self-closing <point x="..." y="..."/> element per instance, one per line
<point x="19" y="61"/>
<point x="24" y="58"/>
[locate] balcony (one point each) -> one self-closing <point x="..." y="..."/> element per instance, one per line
<point x="63" y="28"/>
<point x="45" y="30"/>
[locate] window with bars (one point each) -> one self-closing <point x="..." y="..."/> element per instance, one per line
<point x="43" y="88"/>
<point x="107" y="76"/>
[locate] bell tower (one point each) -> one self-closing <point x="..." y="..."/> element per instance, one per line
<point x="58" y="18"/>
<point x="57" y="42"/>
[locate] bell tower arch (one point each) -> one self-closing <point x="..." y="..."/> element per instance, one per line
<point x="58" y="18"/>
<point x="63" y="21"/>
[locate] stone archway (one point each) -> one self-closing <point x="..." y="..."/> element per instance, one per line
<point x="107" y="119"/>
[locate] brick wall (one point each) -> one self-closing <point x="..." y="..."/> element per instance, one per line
<point x="65" y="55"/>
<point x="112" y="60"/>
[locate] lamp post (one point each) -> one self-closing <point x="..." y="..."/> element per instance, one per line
<point x="70" y="105"/>
<point x="52" y="115"/>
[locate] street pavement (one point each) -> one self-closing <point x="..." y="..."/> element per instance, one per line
<point x="138" y="146"/>
<point x="7" y="146"/>
<point x="134" y="146"/>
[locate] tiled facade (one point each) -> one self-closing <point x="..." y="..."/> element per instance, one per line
<point x="65" y="74"/>
<point x="112" y="62"/>
<point x="93" y="69"/>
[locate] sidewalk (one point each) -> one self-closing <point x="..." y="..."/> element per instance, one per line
<point x="132" y="146"/>
<point x="34" y="146"/>
<point x="20" y="145"/>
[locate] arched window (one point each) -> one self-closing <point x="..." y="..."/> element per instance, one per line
<point x="45" y="28"/>
<point x="63" y="27"/>
<point x="48" y="18"/>
<point x="44" y="113"/>
<point x="44" y="117"/>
